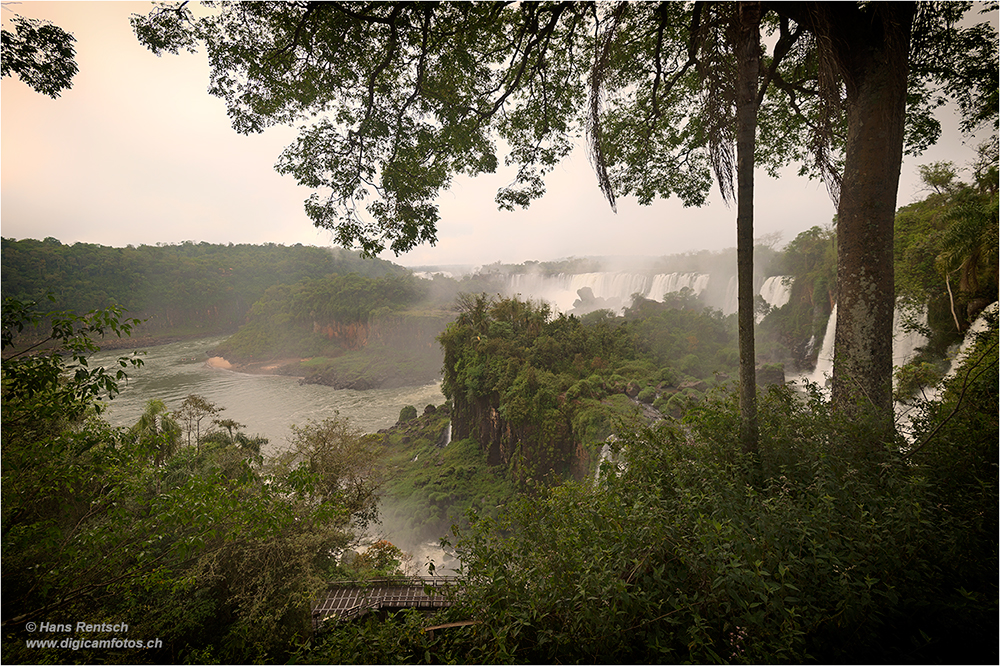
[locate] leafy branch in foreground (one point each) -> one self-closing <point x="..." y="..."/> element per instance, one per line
<point x="40" y="368"/>
<point x="40" y="54"/>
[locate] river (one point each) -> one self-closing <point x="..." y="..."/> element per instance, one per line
<point x="266" y="404"/>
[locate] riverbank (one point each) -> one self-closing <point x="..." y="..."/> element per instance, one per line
<point x="143" y="341"/>
<point x="375" y="367"/>
<point x="266" y="403"/>
<point x="287" y="367"/>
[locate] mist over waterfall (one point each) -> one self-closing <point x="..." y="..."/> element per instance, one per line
<point x="579" y="293"/>
<point x="612" y="291"/>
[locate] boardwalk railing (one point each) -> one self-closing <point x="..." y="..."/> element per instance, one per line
<point x="345" y="600"/>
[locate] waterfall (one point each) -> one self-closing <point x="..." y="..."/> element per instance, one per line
<point x="612" y="286"/>
<point x="732" y="297"/>
<point x="977" y="327"/>
<point x="607" y="455"/>
<point x="670" y="282"/>
<point x="905" y="343"/>
<point x="447" y="435"/>
<point x="824" y="362"/>
<point x="614" y="289"/>
<point x="776" y="290"/>
<point x="933" y="393"/>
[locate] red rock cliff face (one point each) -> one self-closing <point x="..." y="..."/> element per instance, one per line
<point x="351" y="336"/>
<point x="394" y="330"/>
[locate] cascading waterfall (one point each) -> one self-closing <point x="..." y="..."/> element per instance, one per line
<point x="775" y="290"/>
<point x="824" y="362"/>
<point x="671" y="282"/>
<point x="977" y="327"/>
<point x="607" y="455"/>
<point x="905" y="344"/>
<point x="905" y="410"/>
<point x="615" y="290"/>
<point x="447" y="435"/>
<point x="732" y="301"/>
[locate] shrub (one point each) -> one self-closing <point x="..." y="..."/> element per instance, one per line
<point x="669" y="377"/>
<point x="407" y="413"/>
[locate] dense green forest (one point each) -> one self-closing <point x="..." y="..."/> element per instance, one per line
<point x="190" y="288"/>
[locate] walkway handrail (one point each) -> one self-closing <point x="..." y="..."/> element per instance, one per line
<point x="347" y="599"/>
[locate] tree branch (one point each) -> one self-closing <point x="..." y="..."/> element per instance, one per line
<point x="781" y="49"/>
<point x="692" y="59"/>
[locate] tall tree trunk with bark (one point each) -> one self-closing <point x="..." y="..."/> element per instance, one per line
<point x="872" y="50"/>
<point x="748" y="69"/>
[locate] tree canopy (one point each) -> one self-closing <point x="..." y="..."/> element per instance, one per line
<point x="40" y="54"/>
<point x="393" y="99"/>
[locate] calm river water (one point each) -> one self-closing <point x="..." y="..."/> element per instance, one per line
<point x="265" y="404"/>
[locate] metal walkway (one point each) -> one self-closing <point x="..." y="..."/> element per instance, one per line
<point x="345" y="600"/>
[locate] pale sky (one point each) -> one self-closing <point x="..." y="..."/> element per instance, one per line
<point x="137" y="152"/>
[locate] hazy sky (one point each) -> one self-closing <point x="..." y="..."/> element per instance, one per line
<point x="138" y="152"/>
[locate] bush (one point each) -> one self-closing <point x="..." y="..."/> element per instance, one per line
<point x="669" y="377"/>
<point x="407" y="413"/>
<point x="914" y="376"/>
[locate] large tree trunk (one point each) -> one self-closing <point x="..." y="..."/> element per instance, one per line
<point x="873" y="55"/>
<point x="748" y="68"/>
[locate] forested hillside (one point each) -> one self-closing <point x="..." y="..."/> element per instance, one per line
<point x="178" y="289"/>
